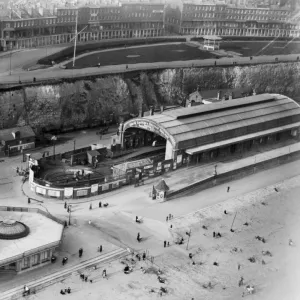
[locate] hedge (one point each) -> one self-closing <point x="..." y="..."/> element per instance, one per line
<point x="67" y="53"/>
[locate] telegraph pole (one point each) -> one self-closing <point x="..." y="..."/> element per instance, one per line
<point x="189" y="235"/>
<point x="10" y="61"/>
<point x="75" y="42"/>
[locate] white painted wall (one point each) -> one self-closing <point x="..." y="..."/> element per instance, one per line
<point x="169" y="151"/>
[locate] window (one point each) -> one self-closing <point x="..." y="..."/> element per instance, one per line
<point x="25" y="263"/>
<point x="7" y="25"/>
<point x="45" y="255"/>
<point x="35" y="259"/>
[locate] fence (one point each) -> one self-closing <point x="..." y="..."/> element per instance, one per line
<point x="96" y="186"/>
<point x="236" y="174"/>
<point x="116" y="69"/>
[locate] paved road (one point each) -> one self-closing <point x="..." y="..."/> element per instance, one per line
<point x="23" y="59"/>
<point x="54" y="73"/>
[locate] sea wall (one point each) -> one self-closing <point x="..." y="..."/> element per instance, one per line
<point x="86" y="102"/>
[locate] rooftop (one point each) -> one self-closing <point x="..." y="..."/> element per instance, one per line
<point x="25" y="132"/>
<point x="43" y="231"/>
<point x="203" y="124"/>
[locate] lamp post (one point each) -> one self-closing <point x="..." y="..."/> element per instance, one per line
<point x="70" y="206"/>
<point x="216" y="170"/>
<point x="189" y="235"/>
<point x="74" y="144"/>
<point x="10" y="61"/>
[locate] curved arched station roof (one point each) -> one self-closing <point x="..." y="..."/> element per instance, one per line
<point x="204" y="127"/>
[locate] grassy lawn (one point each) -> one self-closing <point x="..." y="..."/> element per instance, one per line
<point x="162" y="53"/>
<point x="252" y="48"/>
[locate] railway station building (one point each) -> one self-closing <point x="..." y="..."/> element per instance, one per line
<point x="217" y="130"/>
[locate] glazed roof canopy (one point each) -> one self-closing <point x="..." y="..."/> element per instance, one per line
<point x="205" y="124"/>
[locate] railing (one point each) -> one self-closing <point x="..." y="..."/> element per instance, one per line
<point x="111" y="70"/>
<point x="35" y="210"/>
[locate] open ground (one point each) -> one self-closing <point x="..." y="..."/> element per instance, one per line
<point x="274" y="273"/>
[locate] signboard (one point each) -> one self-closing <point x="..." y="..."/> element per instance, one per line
<point x="160" y="195"/>
<point x="115" y="185"/>
<point x="94" y="188"/>
<point x="105" y="187"/>
<point x="158" y="168"/>
<point x="53" y="193"/>
<point x="179" y="158"/>
<point x="174" y="165"/>
<point x="81" y="193"/>
<point x="167" y="167"/>
<point x="68" y="192"/>
<point x="40" y="190"/>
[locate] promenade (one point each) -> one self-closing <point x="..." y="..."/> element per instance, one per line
<point x="54" y="73"/>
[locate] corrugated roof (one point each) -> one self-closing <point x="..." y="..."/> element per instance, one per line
<point x="25" y="132"/>
<point x="194" y="126"/>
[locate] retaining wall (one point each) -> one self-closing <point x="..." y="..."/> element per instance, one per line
<point x="212" y="181"/>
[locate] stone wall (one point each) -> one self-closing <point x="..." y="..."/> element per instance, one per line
<point x="85" y="102"/>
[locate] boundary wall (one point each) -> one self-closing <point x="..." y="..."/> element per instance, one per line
<point x="212" y="181"/>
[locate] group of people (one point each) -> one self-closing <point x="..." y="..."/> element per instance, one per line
<point x="138" y="256"/>
<point x="217" y="234"/>
<point x="85" y="278"/>
<point x="169" y="217"/>
<point x="65" y="291"/>
<point x="166" y="244"/>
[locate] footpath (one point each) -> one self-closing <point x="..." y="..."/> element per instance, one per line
<point x="44" y="281"/>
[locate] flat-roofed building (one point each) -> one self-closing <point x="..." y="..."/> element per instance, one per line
<point x="30" y="242"/>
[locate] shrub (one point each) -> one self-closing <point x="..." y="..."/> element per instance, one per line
<point x="67" y="53"/>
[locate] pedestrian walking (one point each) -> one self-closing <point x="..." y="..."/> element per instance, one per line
<point x="214" y="234"/>
<point x="144" y="255"/>
<point x="17" y="170"/>
<point x="80" y="252"/>
<point x="228" y="188"/>
<point x="165" y="244"/>
<point x="91" y="207"/>
<point x="168" y="244"/>
<point x="138" y="237"/>
<point x="170" y="216"/>
<point x="241" y="282"/>
<point x="100" y="204"/>
<point x="239" y="266"/>
<point x="85" y="278"/>
<point x="100" y="248"/>
<point x="104" y="273"/>
<point x="171" y="226"/>
<point x="225" y="212"/>
<point x="65" y="205"/>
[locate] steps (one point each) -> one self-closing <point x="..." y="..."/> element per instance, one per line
<point x="39" y="284"/>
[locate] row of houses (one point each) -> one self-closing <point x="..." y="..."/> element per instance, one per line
<point x="22" y="28"/>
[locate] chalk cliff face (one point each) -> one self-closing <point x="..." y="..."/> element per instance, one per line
<point x="87" y="102"/>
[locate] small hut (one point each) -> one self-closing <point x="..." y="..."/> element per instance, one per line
<point x="161" y="190"/>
